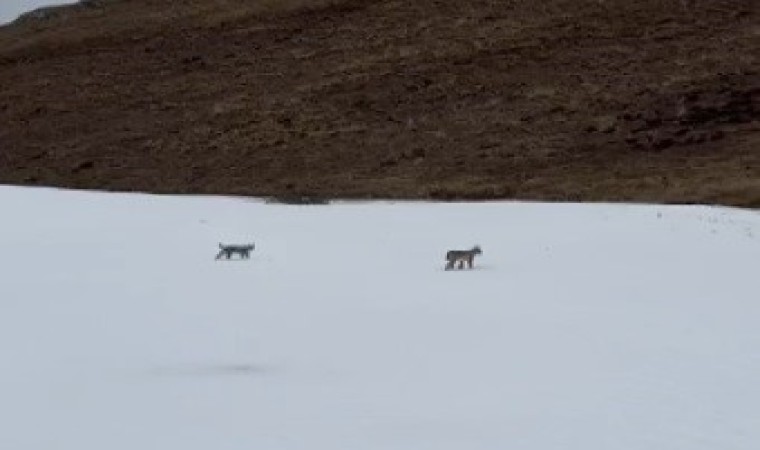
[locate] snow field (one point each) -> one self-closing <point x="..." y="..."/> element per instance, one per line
<point x="582" y="326"/>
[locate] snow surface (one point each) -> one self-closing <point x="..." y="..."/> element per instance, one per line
<point x="11" y="9"/>
<point x="582" y="327"/>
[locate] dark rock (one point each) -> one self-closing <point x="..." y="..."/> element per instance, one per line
<point x="84" y="165"/>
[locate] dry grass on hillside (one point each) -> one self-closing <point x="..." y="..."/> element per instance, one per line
<point x="647" y="100"/>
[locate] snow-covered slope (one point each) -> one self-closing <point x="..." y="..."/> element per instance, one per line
<point x="582" y="326"/>
<point x="11" y="9"/>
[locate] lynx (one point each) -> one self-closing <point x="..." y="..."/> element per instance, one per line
<point x="228" y="250"/>
<point x="461" y="256"/>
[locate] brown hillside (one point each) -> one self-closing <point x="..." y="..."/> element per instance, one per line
<point x="645" y="100"/>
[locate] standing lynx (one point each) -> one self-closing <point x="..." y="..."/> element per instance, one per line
<point x="461" y="256"/>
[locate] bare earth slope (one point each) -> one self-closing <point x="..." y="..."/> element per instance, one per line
<point x="647" y="100"/>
